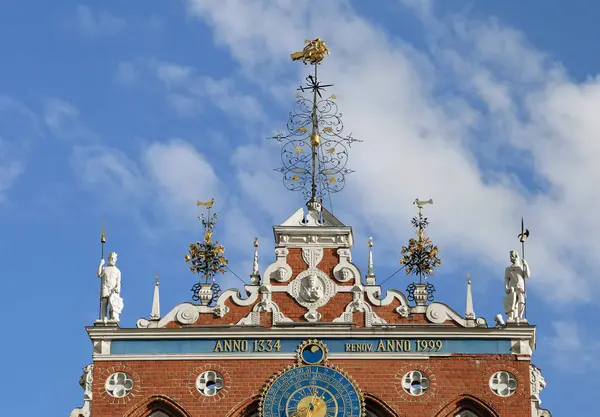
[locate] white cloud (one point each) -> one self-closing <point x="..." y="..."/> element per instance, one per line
<point x="181" y="176"/>
<point x="96" y="24"/>
<point x="424" y="140"/>
<point x="64" y="122"/>
<point x="19" y="129"/>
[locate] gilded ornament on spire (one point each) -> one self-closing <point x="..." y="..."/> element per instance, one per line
<point x="420" y="256"/>
<point x="314" y="151"/>
<point x="313" y="53"/>
<point x="206" y="257"/>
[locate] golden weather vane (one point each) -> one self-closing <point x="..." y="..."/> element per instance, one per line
<point x="313" y="52"/>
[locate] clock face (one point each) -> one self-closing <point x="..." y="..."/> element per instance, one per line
<point x="312" y="391"/>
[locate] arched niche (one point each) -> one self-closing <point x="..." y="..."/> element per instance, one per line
<point x="157" y="406"/>
<point x="248" y="408"/>
<point x="467" y="406"/>
<point x="376" y="407"/>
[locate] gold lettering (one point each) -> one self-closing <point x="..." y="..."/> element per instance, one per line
<point x="430" y="345"/>
<point x="227" y="345"/>
<point x="381" y="346"/>
<point x="348" y="347"/>
<point x="277" y="345"/>
<point x="218" y="347"/>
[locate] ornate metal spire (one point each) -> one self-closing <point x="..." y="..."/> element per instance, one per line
<point x="314" y="152"/>
<point x="206" y="258"/>
<point x="420" y="256"/>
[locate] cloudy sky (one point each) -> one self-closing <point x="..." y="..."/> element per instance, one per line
<point x="125" y="113"/>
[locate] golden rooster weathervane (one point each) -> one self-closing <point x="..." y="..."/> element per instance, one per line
<point x="313" y="52"/>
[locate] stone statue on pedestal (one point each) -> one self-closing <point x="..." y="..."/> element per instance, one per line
<point x="514" y="285"/>
<point x="111" y="303"/>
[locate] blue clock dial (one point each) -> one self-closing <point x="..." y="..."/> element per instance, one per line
<point x="312" y="391"/>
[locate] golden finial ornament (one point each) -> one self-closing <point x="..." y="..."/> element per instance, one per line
<point x="208" y="204"/>
<point x="419" y="257"/>
<point x="206" y="257"/>
<point x="313" y="53"/>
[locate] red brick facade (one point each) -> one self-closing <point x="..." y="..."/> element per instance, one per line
<point x="455" y="381"/>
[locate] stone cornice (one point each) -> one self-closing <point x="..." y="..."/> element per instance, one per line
<point x="337" y="331"/>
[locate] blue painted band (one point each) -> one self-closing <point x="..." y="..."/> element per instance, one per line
<point x="264" y="346"/>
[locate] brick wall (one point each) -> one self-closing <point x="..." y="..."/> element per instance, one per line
<point x="450" y="378"/>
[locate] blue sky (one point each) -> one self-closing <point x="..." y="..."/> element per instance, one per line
<point x="128" y="112"/>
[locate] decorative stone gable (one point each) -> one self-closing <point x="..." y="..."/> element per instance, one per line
<point x="312" y="279"/>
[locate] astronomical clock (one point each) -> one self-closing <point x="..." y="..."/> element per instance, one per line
<point x="312" y="388"/>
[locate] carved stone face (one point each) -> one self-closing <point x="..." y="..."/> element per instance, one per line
<point x="112" y="258"/>
<point x="514" y="256"/>
<point x="281" y="273"/>
<point x="312" y="281"/>
<point x="346" y="274"/>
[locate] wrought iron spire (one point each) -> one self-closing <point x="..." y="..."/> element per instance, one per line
<point x="314" y="152"/>
<point x="206" y="258"/>
<point x="370" y="268"/>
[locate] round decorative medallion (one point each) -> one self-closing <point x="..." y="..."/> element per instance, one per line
<point x="312" y="390"/>
<point x="312" y="352"/>
<point x="312" y="288"/>
<point x="209" y="383"/>
<point x="119" y="384"/>
<point x="503" y="384"/>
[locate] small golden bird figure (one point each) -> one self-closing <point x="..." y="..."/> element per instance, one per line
<point x="313" y="52"/>
<point x="208" y="204"/>
<point x="302" y="129"/>
<point x="298" y="149"/>
<point x="295" y="178"/>
<point x="331" y="180"/>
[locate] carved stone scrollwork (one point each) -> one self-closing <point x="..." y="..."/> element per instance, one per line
<point x="265" y="305"/>
<point x="358" y="305"/>
<point x="279" y="270"/>
<point x="345" y="271"/>
<point x="187" y="315"/>
<point x="220" y="310"/>
<point x="403" y="311"/>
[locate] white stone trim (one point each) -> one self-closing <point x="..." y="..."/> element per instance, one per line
<point x="188" y="313"/>
<point x="345" y="257"/>
<point x="438" y="313"/>
<point x="311" y="331"/>
<point x="318" y="236"/>
<point x="373" y="291"/>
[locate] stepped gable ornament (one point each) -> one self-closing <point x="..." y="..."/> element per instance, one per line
<point x="314" y="153"/>
<point x="111" y="303"/>
<point x="420" y="258"/>
<point x="514" y="282"/>
<point x="206" y="258"/>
